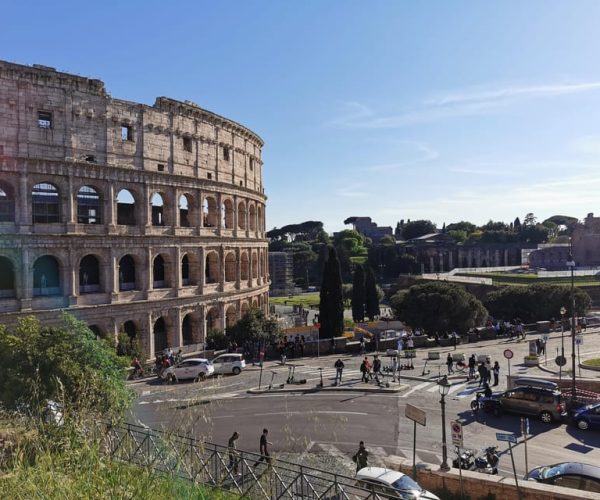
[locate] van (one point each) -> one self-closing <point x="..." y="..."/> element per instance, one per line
<point x="535" y="397"/>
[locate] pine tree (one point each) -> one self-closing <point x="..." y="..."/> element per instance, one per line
<point x="371" y="297"/>
<point x="331" y="305"/>
<point x="517" y="225"/>
<point x="358" y="294"/>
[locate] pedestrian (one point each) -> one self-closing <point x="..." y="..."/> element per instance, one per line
<point x="449" y="363"/>
<point x="472" y="364"/>
<point x="410" y="344"/>
<point x="264" y="448"/>
<point x="302" y="342"/>
<point x="584" y="323"/>
<point x="362" y="345"/>
<point x="482" y="374"/>
<point x="364" y="369"/>
<point x="488" y="367"/>
<point x="361" y="457"/>
<point x="395" y="367"/>
<point x="454" y="339"/>
<point x="542" y="347"/>
<point x="377" y="368"/>
<point x="339" y="368"/>
<point x="496" y="371"/>
<point x="232" y="450"/>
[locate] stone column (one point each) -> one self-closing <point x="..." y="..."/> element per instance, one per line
<point x="202" y="270"/>
<point x="238" y="269"/>
<point x="176" y="274"/>
<point x="71" y="206"/>
<point x="197" y="222"/>
<point x="219" y="213"/>
<point x="506" y="256"/>
<point x="175" y="222"/>
<point x="177" y="332"/>
<point x="26" y="291"/>
<point x="222" y="316"/>
<point x="222" y="268"/>
<point x="24" y="214"/>
<point x="110" y="208"/>
<point x="114" y="331"/>
<point x="200" y="335"/>
<point x="431" y="266"/>
<point x="72" y="278"/>
<point x="146" y="219"/>
<point x="235" y="215"/>
<point x="113" y="276"/>
<point x="149" y="341"/>
<point x="441" y="262"/>
<point x="147" y="282"/>
<point x="450" y="261"/>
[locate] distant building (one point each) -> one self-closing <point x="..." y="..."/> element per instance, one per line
<point x="368" y="228"/>
<point x="552" y="257"/>
<point x="586" y="242"/>
<point x="281" y="269"/>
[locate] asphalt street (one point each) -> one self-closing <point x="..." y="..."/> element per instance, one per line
<point x="323" y="428"/>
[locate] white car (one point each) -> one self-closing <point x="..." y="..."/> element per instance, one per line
<point x="193" y="368"/>
<point x="387" y="483"/>
<point x="229" y="363"/>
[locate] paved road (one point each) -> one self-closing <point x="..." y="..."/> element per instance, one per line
<point x="324" y="428"/>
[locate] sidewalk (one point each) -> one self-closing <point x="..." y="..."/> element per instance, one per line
<point x="345" y="387"/>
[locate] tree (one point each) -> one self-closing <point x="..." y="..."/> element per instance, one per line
<point x="439" y="307"/>
<point x="254" y="326"/>
<point x="331" y="307"/>
<point x="534" y="234"/>
<point x="465" y="226"/>
<point x="416" y="228"/>
<point x="358" y="294"/>
<point x="388" y="239"/>
<point x="371" y="295"/>
<point x="459" y="235"/>
<point x="530" y="220"/>
<point x="494" y="226"/>
<point x="517" y="224"/>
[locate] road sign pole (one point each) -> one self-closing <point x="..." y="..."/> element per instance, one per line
<point x="579" y="359"/>
<point x="512" y="459"/>
<point x="524" y="431"/>
<point x="462" y="491"/>
<point x="415" y="451"/>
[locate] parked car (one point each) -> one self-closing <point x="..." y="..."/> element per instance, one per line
<point x="568" y="474"/>
<point x="193" y="368"/>
<point x="587" y="417"/>
<point x="533" y="397"/>
<point x="229" y="363"/>
<point x="387" y="483"/>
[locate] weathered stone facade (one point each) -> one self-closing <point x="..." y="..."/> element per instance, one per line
<point x="136" y="218"/>
<point x="586" y="242"/>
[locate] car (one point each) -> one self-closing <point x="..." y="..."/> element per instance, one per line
<point x="387" y="483"/>
<point x="569" y="475"/>
<point x="533" y="397"/>
<point x="192" y="368"/>
<point x="587" y="417"/>
<point x="229" y="363"/>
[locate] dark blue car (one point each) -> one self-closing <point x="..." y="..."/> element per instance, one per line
<point x="587" y="417"/>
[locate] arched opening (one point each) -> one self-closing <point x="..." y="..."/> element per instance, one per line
<point x="158" y="272"/>
<point x="230" y="316"/>
<point x="130" y="330"/>
<point x="45" y="204"/>
<point x="7" y="203"/>
<point x="209" y="212"/>
<point x="157" y="210"/>
<point x="160" y="335"/>
<point x="254" y="302"/>
<point x="7" y="278"/>
<point x="212" y="268"/>
<point x="184" y="211"/>
<point x="89" y="207"/>
<point x="244" y="267"/>
<point x="227" y="214"/>
<point x="187" y="330"/>
<point x="260" y="219"/>
<point x="89" y="275"/>
<point x="185" y="271"/>
<point x="242" y="215"/>
<point x="230" y="267"/>
<point x="254" y="266"/>
<point x="125" y="208"/>
<point x="46" y="276"/>
<point x="245" y="308"/>
<point x="126" y="273"/>
<point x="95" y="329"/>
<point x="252" y="218"/>
<point x="212" y="320"/>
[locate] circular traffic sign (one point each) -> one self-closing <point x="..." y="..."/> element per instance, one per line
<point x="508" y="354"/>
<point x="560" y="360"/>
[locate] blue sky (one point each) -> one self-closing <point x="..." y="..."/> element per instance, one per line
<point x="444" y="110"/>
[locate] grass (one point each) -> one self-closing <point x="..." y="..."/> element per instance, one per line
<point x="308" y="300"/>
<point x="530" y="279"/>
<point x="592" y="362"/>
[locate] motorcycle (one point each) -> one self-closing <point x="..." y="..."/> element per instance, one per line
<point x="488" y="405"/>
<point x="487" y="461"/>
<point x="466" y="459"/>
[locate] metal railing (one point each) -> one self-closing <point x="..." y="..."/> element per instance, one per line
<point x="248" y="475"/>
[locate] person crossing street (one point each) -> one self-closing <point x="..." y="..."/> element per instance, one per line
<point x="361" y="457"/>
<point x="339" y="368"/>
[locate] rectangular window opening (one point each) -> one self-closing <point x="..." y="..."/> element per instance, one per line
<point x="90" y="158"/>
<point x="209" y="175"/>
<point x="225" y="153"/>
<point x="44" y="119"/>
<point x="187" y="144"/>
<point x="251" y="164"/>
<point x="126" y="132"/>
<point x="161" y="167"/>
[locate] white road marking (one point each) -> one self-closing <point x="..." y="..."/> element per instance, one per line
<point x="317" y="412"/>
<point x="416" y="388"/>
<point x="456" y="387"/>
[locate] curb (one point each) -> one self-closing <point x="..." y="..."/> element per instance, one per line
<point x="309" y="390"/>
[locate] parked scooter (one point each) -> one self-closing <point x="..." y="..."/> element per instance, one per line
<point x="467" y="459"/>
<point x="487" y="462"/>
<point x="488" y="405"/>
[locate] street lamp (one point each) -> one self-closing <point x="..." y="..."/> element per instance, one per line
<point x="444" y="387"/>
<point x="571" y="266"/>
<point x="563" y="311"/>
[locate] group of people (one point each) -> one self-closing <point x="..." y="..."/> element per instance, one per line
<point x="167" y="358"/>
<point x="289" y="348"/>
<point x="370" y="371"/>
<point x="485" y="370"/>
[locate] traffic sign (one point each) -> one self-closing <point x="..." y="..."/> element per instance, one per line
<point x="579" y="340"/>
<point x="415" y="414"/>
<point x="457" y="433"/>
<point x="503" y="436"/>
<point x="560" y="360"/>
<point x="545" y="337"/>
<point x="508" y="354"/>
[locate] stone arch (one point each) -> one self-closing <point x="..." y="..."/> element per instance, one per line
<point x="46" y="276"/>
<point x="254" y="266"/>
<point x="7" y="202"/>
<point x="157" y="201"/>
<point x="227" y="214"/>
<point x="209" y="212"/>
<point x="244" y="266"/>
<point x="45" y="203"/>
<point x="252" y="217"/>
<point x="190" y="328"/>
<point x="7" y="277"/>
<point x="160" y="332"/>
<point x="130" y="329"/>
<point x="212" y="319"/>
<point x="185" y="210"/>
<point x="185" y="270"/>
<point x="160" y="272"/>
<point x="245" y="308"/>
<point x="126" y="208"/>
<point x="230" y="316"/>
<point x="127" y="273"/>
<point x="242" y="215"/>
<point x="254" y="302"/>
<point x="230" y="267"/>
<point x="89" y="274"/>
<point x="89" y="206"/>
<point x="212" y="267"/>
<point x="260" y="221"/>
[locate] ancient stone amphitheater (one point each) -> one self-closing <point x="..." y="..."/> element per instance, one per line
<point x="147" y="220"/>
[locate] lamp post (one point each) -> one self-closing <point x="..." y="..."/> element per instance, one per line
<point x="571" y="266"/>
<point x="444" y="387"/>
<point x="563" y="311"/>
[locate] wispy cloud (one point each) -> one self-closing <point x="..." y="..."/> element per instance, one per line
<point x="352" y="191"/>
<point x="587" y="145"/>
<point x="421" y="153"/>
<point x="468" y="102"/>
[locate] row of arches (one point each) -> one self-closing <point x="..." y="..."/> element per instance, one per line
<point x="46" y="208"/>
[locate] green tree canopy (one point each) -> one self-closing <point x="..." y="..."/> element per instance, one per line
<point x="371" y="295"/>
<point x="253" y="326"/>
<point x="439" y="307"/>
<point x="465" y="226"/>
<point x="416" y="228"/>
<point x="331" y="306"/>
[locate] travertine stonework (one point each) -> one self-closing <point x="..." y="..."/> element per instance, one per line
<point x="166" y="268"/>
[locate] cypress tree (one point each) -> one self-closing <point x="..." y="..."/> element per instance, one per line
<point x="331" y="305"/>
<point x="358" y="294"/>
<point x="371" y="298"/>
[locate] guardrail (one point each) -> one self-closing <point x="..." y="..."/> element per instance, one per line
<point x="246" y="474"/>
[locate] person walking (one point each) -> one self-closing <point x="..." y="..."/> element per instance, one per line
<point x="361" y="457"/>
<point x="264" y="448"/>
<point x="232" y="450"/>
<point x="449" y="363"/>
<point x="482" y="374"/>
<point x="496" y="371"/>
<point x="377" y="368"/>
<point x="472" y="364"/>
<point x="364" y="369"/>
<point x="395" y="367"/>
<point x="488" y="367"/>
<point x="339" y="368"/>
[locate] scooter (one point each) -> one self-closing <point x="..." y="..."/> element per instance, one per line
<point x="488" y="405"/>
<point x="466" y="459"/>
<point x="487" y="462"/>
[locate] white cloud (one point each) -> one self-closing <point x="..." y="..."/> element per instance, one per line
<point x="424" y="153"/>
<point x="587" y="144"/>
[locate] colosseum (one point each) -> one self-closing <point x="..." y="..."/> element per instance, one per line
<point x="147" y="220"/>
